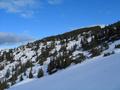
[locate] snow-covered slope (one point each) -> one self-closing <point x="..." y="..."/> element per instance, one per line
<point x="42" y="58"/>
<point x="101" y="73"/>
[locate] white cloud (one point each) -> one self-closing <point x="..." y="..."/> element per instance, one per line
<point x="25" y="8"/>
<point x="22" y="7"/>
<point x="55" y="2"/>
<point x="10" y="38"/>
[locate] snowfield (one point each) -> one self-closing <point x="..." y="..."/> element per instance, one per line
<point x="101" y="73"/>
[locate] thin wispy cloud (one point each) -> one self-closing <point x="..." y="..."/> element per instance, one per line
<point x="25" y="8"/>
<point x="55" y="2"/>
<point x="22" y="7"/>
<point x="11" y="38"/>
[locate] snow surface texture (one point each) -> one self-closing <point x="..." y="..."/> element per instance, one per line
<point x="96" y="74"/>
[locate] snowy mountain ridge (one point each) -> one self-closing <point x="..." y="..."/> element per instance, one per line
<point x="47" y="56"/>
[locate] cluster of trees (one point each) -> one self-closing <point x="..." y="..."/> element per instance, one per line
<point x="39" y="75"/>
<point x="7" y="55"/>
<point x="19" y="71"/>
<point x="1" y="67"/>
<point x="4" y="85"/>
<point x="117" y="46"/>
<point x="45" y="53"/>
<point x="58" y="63"/>
<point x="101" y="37"/>
<point x="59" y="60"/>
<point x="80" y="58"/>
<point x="69" y="35"/>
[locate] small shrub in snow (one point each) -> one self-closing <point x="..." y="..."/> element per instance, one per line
<point x="108" y="54"/>
<point x="40" y="73"/>
<point x="117" y="46"/>
<point x="95" y="52"/>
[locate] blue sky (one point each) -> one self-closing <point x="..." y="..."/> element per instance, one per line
<point x="27" y="19"/>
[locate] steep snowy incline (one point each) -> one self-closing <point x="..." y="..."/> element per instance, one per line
<point x="101" y="73"/>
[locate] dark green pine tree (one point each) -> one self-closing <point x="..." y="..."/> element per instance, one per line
<point x="21" y="78"/>
<point x="40" y="73"/>
<point x="14" y="78"/>
<point x="7" y="73"/>
<point x="30" y="74"/>
<point x="51" y="67"/>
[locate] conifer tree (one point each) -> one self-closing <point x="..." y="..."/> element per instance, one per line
<point x="7" y="73"/>
<point x="21" y="78"/>
<point x="14" y="78"/>
<point x="40" y="73"/>
<point x="30" y="74"/>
